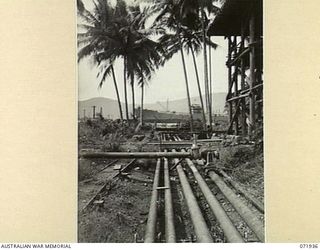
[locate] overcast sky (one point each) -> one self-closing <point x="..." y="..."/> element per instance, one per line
<point x="167" y="82"/>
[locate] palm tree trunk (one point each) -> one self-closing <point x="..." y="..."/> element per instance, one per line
<point x="187" y="84"/>
<point x="199" y="87"/>
<point x="206" y="69"/>
<point x="125" y="87"/>
<point x="133" y="102"/>
<point x="117" y="92"/>
<point x="141" y="109"/>
<point x="210" y="80"/>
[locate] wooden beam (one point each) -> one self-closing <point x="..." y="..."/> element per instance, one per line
<point x="243" y="79"/>
<point x="230" y="82"/>
<point x="238" y="97"/>
<point x="252" y="74"/>
<point x="235" y="78"/>
<point x="238" y="57"/>
<point x="234" y="116"/>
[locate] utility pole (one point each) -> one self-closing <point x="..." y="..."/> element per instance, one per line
<point x="94" y="112"/>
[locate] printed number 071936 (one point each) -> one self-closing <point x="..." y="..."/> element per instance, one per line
<point x="309" y="246"/>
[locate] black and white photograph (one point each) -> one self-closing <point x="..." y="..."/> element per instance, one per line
<point x="170" y="121"/>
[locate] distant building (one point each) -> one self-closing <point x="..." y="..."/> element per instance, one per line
<point x="196" y="112"/>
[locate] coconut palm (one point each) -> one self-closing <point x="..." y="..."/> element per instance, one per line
<point x="95" y="39"/>
<point x="199" y="11"/>
<point x="193" y="13"/>
<point x="168" y="14"/>
<point x="183" y="19"/>
<point x="188" y="13"/>
<point x="118" y="32"/>
<point x="144" y="54"/>
<point x="191" y="43"/>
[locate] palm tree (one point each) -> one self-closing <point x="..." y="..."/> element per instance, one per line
<point x="192" y="12"/>
<point x="210" y="76"/>
<point x="180" y="16"/>
<point x="192" y="43"/>
<point x="142" y="54"/>
<point x="145" y="54"/>
<point x="106" y="69"/>
<point x="197" y="11"/>
<point x="96" y="38"/>
<point x="116" y="32"/>
<point x="133" y="43"/>
<point x="120" y="36"/>
<point x="168" y="14"/>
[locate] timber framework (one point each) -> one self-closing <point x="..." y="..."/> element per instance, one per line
<point x="241" y="22"/>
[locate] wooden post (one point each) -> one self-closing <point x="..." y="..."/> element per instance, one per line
<point x="243" y="75"/>
<point x="236" y="82"/>
<point x="94" y="112"/>
<point x="141" y="106"/>
<point x="230" y="82"/>
<point x="260" y="92"/>
<point x="84" y="113"/>
<point x="252" y="74"/>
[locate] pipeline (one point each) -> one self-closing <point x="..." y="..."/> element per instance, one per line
<point x="169" y="220"/>
<point x="129" y="155"/>
<point x="229" y="229"/>
<point x="200" y="227"/>
<point x="247" y="215"/>
<point x="177" y="138"/>
<point x="253" y="200"/>
<point x="152" y="217"/>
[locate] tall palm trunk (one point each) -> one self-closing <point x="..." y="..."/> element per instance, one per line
<point x="210" y="81"/>
<point x="141" y="109"/>
<point x="125" y="87"/>
<point x="133" y="98"/>
<point x="206" y="84"/>
<point x="117" y="92"/>
<point x="199" y="87"/>
<point x="187" y="84"/>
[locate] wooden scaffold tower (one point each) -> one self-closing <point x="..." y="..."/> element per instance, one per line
<point x="241" y="22"/>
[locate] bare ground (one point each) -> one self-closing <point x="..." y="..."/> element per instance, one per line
<point x="120" y="212"/>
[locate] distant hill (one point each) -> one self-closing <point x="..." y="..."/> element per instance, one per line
<point x="110" y="107"/>
<point x="181" y="105"/>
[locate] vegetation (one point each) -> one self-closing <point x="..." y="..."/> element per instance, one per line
<point x="120" y="31"/>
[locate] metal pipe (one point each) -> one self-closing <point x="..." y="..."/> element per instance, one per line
<point x="169" y="219"/>
<point x="178" y="138"/>
<point x="253" y="200"/>
<point x="200" y="227"/>
<point x="229" y="229"/>
<point x="248" y="216"/>
<point x="179" y="142"/>
<point x="122" y="155"/>
<point x="152" y="216"/>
